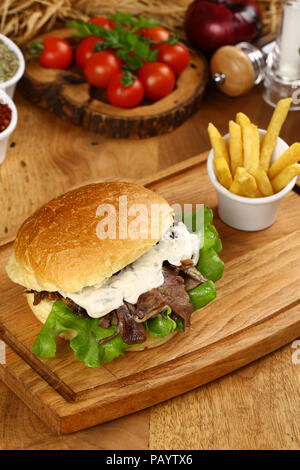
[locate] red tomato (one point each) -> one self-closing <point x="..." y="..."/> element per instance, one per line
<point x="100" y="67"/>
<point x="124" y="97"/>
<point x="177" y="57"/>
<point x="85" y="50"/>
<point x="158" y="80"/>
<point x="156" y="33"/>
<point x="56" y="54"/>
<point x="105" y="22"/>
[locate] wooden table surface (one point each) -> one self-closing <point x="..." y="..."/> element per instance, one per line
<point x="257" y="407"/>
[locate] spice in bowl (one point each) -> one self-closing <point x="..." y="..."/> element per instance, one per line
<point x="5" y="116"/>
<point x="9" y="62"/>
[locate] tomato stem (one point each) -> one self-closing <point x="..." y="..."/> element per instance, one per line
<point x="35" y="48"/>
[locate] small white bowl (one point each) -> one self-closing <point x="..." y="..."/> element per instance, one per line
<point x="246" y="213"/>
<point x="10" y="85"/>
<point x="4" y="135"/>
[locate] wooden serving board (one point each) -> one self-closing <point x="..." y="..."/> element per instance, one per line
<point x="68" y="95"/>
<point x="257" y="310"/>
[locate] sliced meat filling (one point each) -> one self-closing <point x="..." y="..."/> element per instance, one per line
<point x="192" y="277"/>
<point x="52" y="296"/>
<point x="149" y="304"/>
<point x="129" y="318"/>
<point x="131" y="331"/>
<point x="173" y="291"/>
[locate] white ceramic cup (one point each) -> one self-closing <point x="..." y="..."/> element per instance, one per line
<point x="10" y="85"/>
<point x="246" y="213"/>
<point x="4" y="135"/>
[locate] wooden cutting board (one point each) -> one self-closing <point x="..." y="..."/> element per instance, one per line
<point x="257" y="310"/>
<point x="67" y="94"/>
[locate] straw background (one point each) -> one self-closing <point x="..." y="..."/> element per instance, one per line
<point x="23" y="19"/>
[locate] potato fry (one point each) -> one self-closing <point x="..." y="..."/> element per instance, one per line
<point x="218" y="144"/>
<point x="242" y="119"/>
<point x="247" y="183"/>
<point x="223" y="172"/>
<point x="262" y="180"/>
<point x="235" y="187"/>
<point x="290" y="156"/>
<point x="235" y="146"/>
<point x="285" y="176"/>
<point x="250" y="139"/>
<point x="269" y="140"/>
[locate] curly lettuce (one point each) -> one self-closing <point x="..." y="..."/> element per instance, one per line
<point x="85" y="343"/>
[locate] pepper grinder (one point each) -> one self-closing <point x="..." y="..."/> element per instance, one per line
<point x="236" y="69"/>
<point x="282" y="74"/>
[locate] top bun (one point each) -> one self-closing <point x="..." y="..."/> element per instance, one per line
<point x="58" y="248"/>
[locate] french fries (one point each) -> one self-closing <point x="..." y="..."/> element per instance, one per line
<point x="285" y="176"/>
<point x="235" y="146"/>
<point x="269" y="140"/>
<point x="250" y="145"/>
<point x="242" y="119"/>
<point x="235" y="186"/>
<point x="223" y="172"/>
<point x="244" y="170"/>
<point x="217" y="143"/>
<point x="262" y="180"/>
<point x="247" y="183"/>
<point x="290" y="156"/>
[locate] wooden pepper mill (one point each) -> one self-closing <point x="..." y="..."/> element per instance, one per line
<point x="236" y="69"/>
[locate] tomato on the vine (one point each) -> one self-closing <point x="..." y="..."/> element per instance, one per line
<point x="101" y="20"/>
<point x="156" y="33"/>
<point x="175" y="56"/>
<point x="52" y="52"/>
<point x="100" y="67"/>
<point x="124" y="97"/>
<point x="85" y="49"/>
<point x="158" y="80"/>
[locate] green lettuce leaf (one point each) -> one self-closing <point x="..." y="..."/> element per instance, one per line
<point x="162" y="325"/>
<point x="210" y="264"/>
<point x="201" y="223"/>
<point x="85" y="343"/>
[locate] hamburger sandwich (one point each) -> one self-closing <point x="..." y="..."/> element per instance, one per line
<point x="107" y="267"/>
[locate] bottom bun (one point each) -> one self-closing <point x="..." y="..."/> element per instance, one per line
<point x="42" y="310"/>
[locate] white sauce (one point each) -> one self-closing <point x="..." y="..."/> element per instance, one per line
<point x="144" y="274"/>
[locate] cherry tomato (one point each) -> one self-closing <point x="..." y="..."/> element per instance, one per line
<point x="85" y="50"/>
<point x="156" y="33"/>
<point x="124" y="97"/>
<point x="105" y="22"/>
<point x="158" y="80"/>
<point x="177" y="57"/>
<point x="56" y="54"/>
<point x="100" y="67"/>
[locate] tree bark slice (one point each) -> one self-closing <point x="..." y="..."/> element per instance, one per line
<point x="67" y="94"/>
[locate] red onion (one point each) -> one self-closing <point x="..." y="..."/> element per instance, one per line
<point x="210" y="24"/>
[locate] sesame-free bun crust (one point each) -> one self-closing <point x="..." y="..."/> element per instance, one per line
<point x="42" y="310"/>
<point x="57" y="248"/>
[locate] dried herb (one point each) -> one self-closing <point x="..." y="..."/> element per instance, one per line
<point x="9" y="62"/>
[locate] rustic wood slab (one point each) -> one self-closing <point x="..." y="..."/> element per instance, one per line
<point x="256" y="311"/>
<point x="69" y="96"/>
